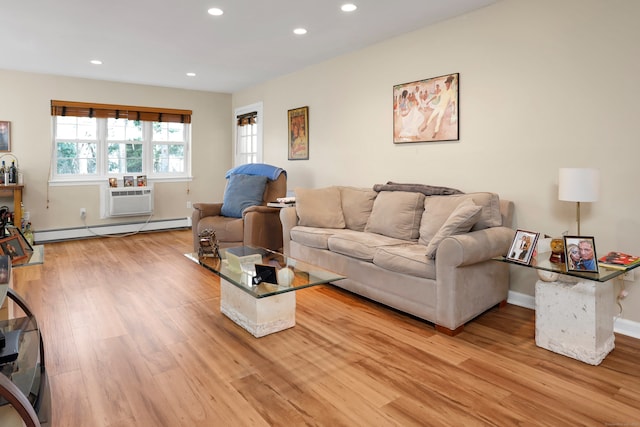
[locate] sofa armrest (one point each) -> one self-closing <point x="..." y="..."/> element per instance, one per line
<point x="468" y="281"/>
<point x="207" y="209"/>
<point x="476" y="246"/>
<point x="201" y="210"/>
<point x="262" y="227"/>
<point x="289" y="219"/>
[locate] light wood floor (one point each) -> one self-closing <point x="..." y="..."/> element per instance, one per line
<point x="134" y="337"/>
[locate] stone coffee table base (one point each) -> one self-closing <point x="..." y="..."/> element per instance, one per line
<point x="259" y="316"/>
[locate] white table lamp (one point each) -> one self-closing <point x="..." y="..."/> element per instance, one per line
<point x="578" y="185"/>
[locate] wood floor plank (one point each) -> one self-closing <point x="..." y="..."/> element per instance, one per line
<point x="134" y="337"/>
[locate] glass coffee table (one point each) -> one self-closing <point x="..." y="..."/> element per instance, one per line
<point x="262" y="308"/>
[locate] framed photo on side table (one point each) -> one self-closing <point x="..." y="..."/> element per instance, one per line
<point x="13" y="247"/>
<point x="521" y="250"/>
<point x="580" y="253"/>
<point x="298" y="126"/>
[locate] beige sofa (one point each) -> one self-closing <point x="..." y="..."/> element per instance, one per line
<point x="425" y="254"/>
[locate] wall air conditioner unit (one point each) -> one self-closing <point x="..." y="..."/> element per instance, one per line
<point x="128" y="201"/>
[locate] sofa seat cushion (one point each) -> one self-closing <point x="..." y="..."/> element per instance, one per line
<point x="360" y="245"/>
<point x="314" y="237"/>
<point x="407" y="259"/>
<point x="438" y="208"/>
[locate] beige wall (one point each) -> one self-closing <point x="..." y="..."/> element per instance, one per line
<point x="543" y="84"/>
<point x="26" y="103"/>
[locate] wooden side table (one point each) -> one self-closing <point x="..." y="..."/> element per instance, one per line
<point x="15" y="191"/>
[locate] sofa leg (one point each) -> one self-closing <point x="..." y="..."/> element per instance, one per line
<point x="502" y="303"/>
<point x="450" y="332"/>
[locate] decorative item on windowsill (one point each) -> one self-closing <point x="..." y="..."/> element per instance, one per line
<point x="209" y="247"/>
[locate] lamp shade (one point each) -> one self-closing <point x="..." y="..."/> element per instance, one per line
<point x="578" y="184"/>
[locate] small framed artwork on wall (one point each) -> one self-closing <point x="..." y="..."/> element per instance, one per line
<point x="5" y="136"/>
<point x="426" y="110"/>
<point x="298" y="126"/>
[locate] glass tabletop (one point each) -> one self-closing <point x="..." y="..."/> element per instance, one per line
<point x="300" y="275"/>
<point x="541" y="262"/>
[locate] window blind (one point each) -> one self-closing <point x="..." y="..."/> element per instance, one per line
<point x="150" y="114"/>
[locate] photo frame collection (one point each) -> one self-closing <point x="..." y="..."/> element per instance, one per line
<point x="580" y="251"/>
<point x="128" y="181"/>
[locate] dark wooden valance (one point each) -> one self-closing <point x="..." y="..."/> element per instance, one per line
<point x="149" y="114"/>
<point x="247" y="119"/>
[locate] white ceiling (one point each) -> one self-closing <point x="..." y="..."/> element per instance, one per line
<point x="156" y="42"/>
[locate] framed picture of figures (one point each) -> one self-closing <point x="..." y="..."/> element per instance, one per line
<point x="298" y="126"/>
<point x="522" y="247"/>
<point x="427" y="110"/>
<point x="580" y="253"/>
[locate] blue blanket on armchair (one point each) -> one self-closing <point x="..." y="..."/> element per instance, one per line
<point x="262" y="169"/>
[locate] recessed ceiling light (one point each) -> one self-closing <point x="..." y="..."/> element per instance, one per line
<point x="349" y="7"/>
<point x="300" y="31"/>
<point x="96" y="62"/>
<point x="191" y="74"/>
<point x="215" y="11"/>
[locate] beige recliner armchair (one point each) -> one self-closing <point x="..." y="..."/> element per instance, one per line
<point x="243" y="217"/>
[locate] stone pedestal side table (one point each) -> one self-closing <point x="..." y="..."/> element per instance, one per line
<point x="575" y="318"/>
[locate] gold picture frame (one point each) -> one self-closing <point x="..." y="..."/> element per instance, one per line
<point x="427" y="110"/>
<point x="5" y="136"/>
<point x="298" y="127"/>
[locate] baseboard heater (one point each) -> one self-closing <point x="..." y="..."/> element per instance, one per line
<point x="63" y="234"/>
<point x="127" y="201"/>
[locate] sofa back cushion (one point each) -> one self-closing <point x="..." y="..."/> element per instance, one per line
<point x="438" y="208"/>
<point x="320" y="207"/>
<point x="357" y="204"/>
<point x="242" y="191"/>
<point x="396" y="214"/>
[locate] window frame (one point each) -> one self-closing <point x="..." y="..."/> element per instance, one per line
<point x="102" y="174"/>
<point x="258" y="108"/>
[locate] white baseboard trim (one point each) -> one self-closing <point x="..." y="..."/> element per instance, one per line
<point x="48" y="236"/>
<point x="620" y="326"/>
